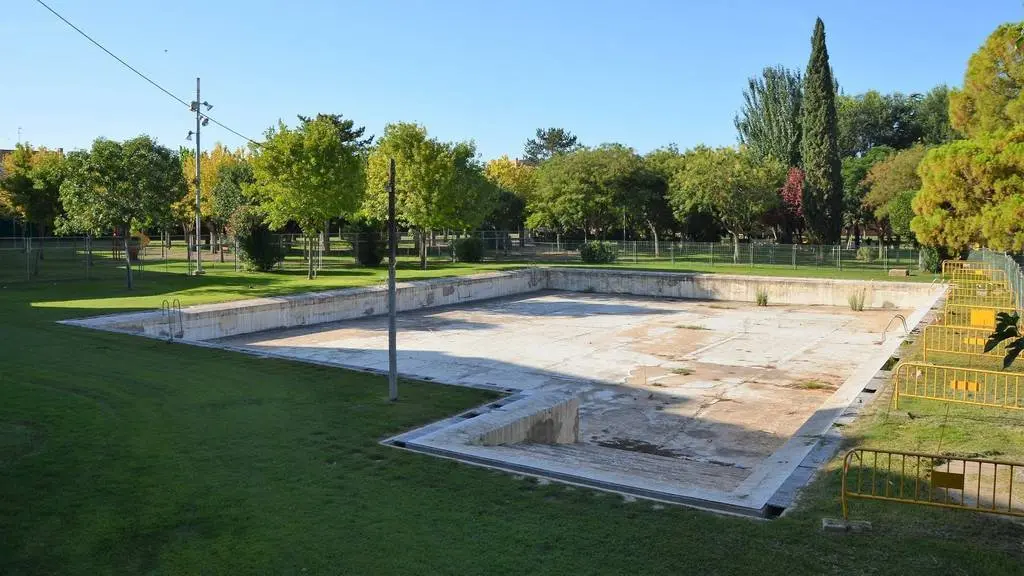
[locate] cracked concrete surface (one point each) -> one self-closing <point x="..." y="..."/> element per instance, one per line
<point x="695" y="393"/>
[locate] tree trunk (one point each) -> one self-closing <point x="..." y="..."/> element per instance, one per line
<point x="309" y="256"/>
<point x="127" y="259"/>
<point x="856" y="235"/>
<point x="654" y="233"/>
<point x="423" y="248"/>
<point x="735" y="247"/>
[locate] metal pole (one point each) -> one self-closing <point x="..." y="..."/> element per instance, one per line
<point x="199" y="257"/>
<point x="392" y="312"/>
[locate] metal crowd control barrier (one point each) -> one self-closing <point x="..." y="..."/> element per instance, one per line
<point x="972" y="275"/>
<point x="958" y="385"/>
<point x="950" y="266"/>
<point x="973" y="316"/>
<point x="985" y="295"/>
<point x="977" y="484"/>
<point x="962" y="340"/>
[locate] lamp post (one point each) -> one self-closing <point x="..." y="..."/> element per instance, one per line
<point x="201" y="120"/>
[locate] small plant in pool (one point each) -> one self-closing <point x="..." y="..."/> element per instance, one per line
<point x="856" y="300"/>
<point x="761" y="297"/>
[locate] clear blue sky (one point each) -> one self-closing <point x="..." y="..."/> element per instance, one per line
<point x="639" y="72"/>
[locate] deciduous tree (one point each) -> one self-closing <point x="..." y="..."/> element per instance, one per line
<point x="31" y="185"/>
<point x="769" y="122"/>
<point x="438" y="184"/>
<point x="587" y="190"/>
<point x="872" y="119"/>
<point x="733" y="184"/>
<point x="121" y="186"/>
<point x="309" y="174"/>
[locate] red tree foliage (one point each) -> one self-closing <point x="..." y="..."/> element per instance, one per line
<point x="792" y="193"/>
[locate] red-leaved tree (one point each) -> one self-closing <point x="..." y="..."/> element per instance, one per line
<point x="792" y="193"/>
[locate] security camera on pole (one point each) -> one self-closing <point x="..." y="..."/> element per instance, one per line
<point x="201" y="121"/>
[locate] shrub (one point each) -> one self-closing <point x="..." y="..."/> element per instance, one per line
<point x="856" y="300"/>
<point x="595" y="252"/>
<point x="369" y="248"/>
<point x="257" y="247"/>
<point x="866" y="254"/>
<point x="469" y="249"/>
<point x="931" y="259"/>
<point x="761" y="297"/>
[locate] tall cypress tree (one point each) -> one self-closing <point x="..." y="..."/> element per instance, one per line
<point x="823" y="181"/>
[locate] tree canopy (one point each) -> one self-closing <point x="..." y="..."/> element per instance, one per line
<point x="31" y="185"/>
<point x="120" y="186"/>
<point x="438" y="184"/>
<point x="769" y="122"/>
<point x="971" y="193"/>
<point x="734" y="185"/>
<point x="991" y="98"/>
<point x="891" y="176"/>
<point x="308" y="174"/>
<point x="516" y="183"/>
<point x="579" y="191"/>
<point x="548" y="142"/>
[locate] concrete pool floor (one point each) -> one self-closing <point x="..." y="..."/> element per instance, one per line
<point x="693" y="398"/>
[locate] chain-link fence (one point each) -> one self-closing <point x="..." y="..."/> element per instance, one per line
<point x="68" y="258"/>
<point x="1010" y="265"/>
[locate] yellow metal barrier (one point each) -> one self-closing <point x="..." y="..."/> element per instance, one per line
<point x="958" y="385"/>
<point x="974" y="275"/>
<point x="984" y="295"/>
<point x="950" y="266"/>
<point x="973" y="316"/>
<point x="981" y="485"/>
<point x="959" y="340"/>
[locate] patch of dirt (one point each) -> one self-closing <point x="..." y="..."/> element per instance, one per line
<point x="639" y="446"/>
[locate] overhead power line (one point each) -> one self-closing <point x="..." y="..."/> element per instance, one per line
<point x="138" y="73"/>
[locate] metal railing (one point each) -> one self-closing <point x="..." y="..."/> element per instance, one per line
<point x="951" y="266"/>
<point x="959" y="340"/>
<point x="974" y="484"/>
<point x="1014" y="275"/>
<point x="972" y="295"/>
<point x="70" y="258"/>
<point x="973" y="276"/>
<point x="974" y="386"/>
<point x="972" y="316"/>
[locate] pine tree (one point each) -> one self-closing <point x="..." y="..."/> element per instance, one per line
<point x="823" y="183"/>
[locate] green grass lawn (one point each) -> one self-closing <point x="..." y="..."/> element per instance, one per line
<point x="127" y="455"/>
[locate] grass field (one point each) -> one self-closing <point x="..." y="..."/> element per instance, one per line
<point x="127" y="455"/>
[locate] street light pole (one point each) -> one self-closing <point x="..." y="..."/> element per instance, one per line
<point x="199" y="233"/>
<point x="392" y="312"/>
<point x="201" y="120"/>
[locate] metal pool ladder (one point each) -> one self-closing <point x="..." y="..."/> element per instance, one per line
<point x="902" y="319"/>
<point x="171" y="312"/>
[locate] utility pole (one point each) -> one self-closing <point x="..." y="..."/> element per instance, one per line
<point x="201" y="121"/>
<point x="392" y="312"/>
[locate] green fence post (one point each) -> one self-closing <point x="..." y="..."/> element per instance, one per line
<point x="712" y="246"/>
